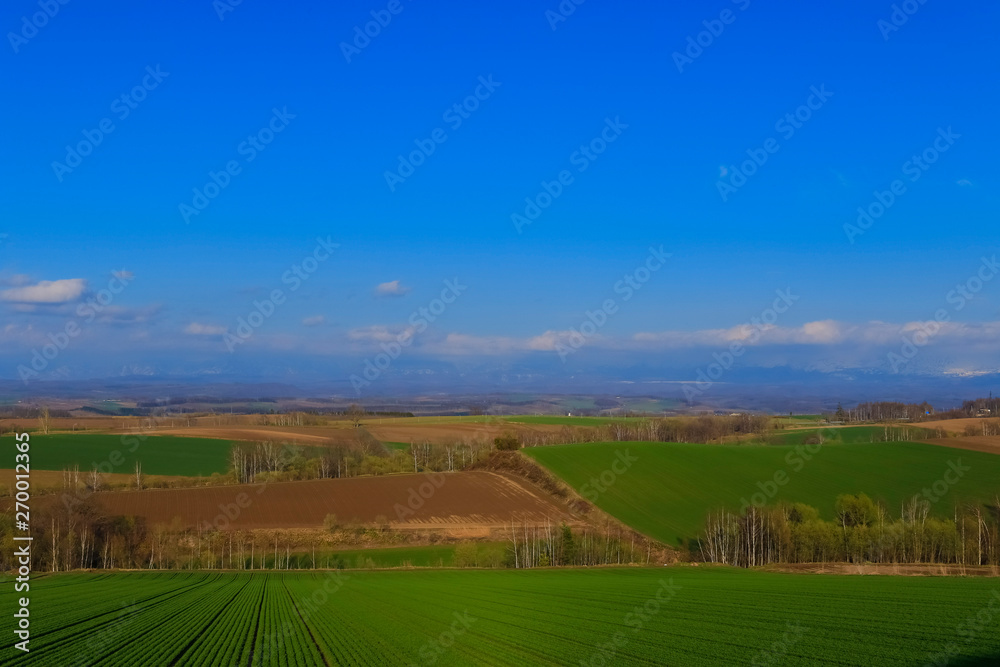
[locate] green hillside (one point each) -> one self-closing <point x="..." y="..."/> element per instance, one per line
<point x="669" y="488"/>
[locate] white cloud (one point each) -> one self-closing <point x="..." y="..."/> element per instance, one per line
<point x="818" y="334"/>
<point x="123" y="275"/>
<point x="391" y="288"/>
<point x="377" y="334"/>
<point x="46" y="291"/>
<point x="550" y="340"/>
<point x="198" y="329"/>
<point x="313" y="321"/>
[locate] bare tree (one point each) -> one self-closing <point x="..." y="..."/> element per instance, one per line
<point x="96" y="479"/>
<point x="45" y="421"/>
<point x="355" y="413"/>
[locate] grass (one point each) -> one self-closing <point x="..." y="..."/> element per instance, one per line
<point x="472" y="554"/>
<point x="494" y="420"/>
<point x="400" y="446"/>
<point x="564" y="421"/>
<point x="669" y="489"/>
<point x="677" y="616"/>
<point x="375" y="420"/>
<point x="438" y="555"/>
<point x="848" y="434"/>
<point x="159" y="455"/>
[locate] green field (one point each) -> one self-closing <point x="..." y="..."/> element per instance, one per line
<point x="640" y="616"/>
<point x="372" y="420"/>
<point x="441" y="555"/>
<point x="848" y="434"/>
<point x="495" y="420"/>
<point x="159" y="454"/>
<point x="565" y="421"/>
<point x="669" y="489"/>
<point x="400" y="446"/>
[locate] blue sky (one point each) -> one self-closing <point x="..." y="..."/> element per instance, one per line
<point x="557" y="84"/>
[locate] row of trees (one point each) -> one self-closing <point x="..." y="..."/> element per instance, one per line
<point x="29" y="412"/>
<point x="118" y="542"/>
<point x="879" y="411"/>
<point x="80" y="536"/>
<point x="705" y="428"/>
<point x="534" y="545"/>
<point x="862" y="532"/>
<point x="977" y="407"/>
<point x="268" y="461"/>
<point x="984" y="427"/>
<point x="902" y="434"/>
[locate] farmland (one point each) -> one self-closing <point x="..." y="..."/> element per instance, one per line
<point x="442" y="555"/>
<point x="706" y="616"/>
<point x="418" y="500"/>
<point x="850" y="434"/>
<point x="466" y="554"/>
<point x="669" y="489"/>
<point x="159" y="455"/>
<point x="565" y="421"/>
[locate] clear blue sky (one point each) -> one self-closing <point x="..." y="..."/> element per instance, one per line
<point x="657" y="183"/>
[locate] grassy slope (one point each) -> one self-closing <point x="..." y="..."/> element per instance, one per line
<point x="159" y="455"/>
<point x="536" y="617"/>
<point x="668" y="491"/>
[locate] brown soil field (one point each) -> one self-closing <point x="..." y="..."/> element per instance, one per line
<point x="977" y="443"/>
<point x="951" y="425"/>
<point x="434" y="433"/>
<point x="302" y="435"/>
<point x="456" y="501"/>
<point x="442" y="433"/>
<point x="239" y="428"/>
<point x="903" y="569"/>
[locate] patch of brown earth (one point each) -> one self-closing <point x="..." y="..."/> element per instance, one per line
<point x="951" y="425"/>
<point x="977" y="443"/>
<point x="899" y="569"/>
<point x="468" y="502"/>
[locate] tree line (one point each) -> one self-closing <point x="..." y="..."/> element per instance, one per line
<point x="979" y="407"/>
<point x="861" y="532"/>
<point x="701" y="429"/>
<point x="534" y="545"/>
<point x="80" y="537"/>
<point x="879" y="411"/>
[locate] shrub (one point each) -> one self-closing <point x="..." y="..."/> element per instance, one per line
<point x="507" y="442"/>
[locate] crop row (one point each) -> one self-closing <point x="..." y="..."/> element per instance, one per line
<point x="692" y="616"/>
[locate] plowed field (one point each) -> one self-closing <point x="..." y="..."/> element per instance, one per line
<point x="416" y="501"/>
